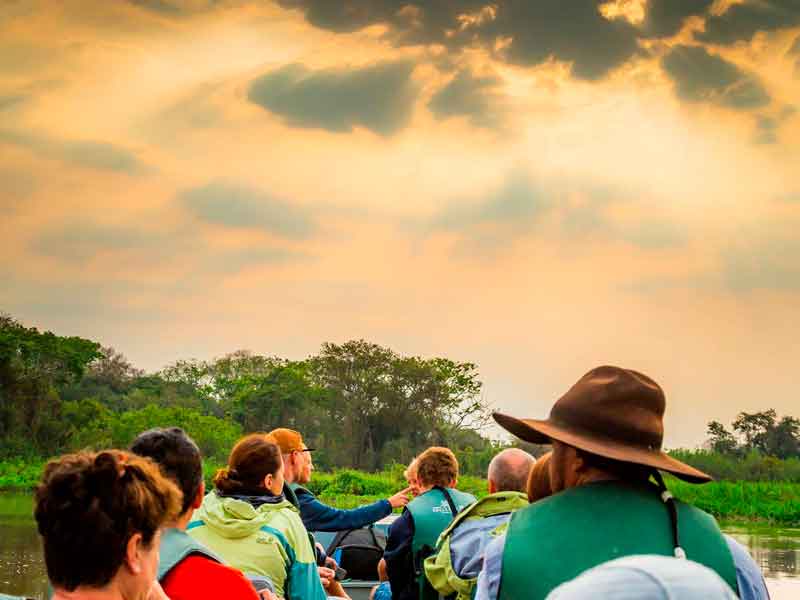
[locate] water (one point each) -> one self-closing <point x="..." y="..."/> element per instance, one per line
<point x="22" y="572"/>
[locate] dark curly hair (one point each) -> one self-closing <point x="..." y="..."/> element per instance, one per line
<point x="87" y="507"/>
<point x="252" y="458"/>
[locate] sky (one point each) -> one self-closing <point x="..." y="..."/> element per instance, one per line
<point x="536" y="187"/>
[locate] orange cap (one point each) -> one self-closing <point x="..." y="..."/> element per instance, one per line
<point x="288" y="440"/>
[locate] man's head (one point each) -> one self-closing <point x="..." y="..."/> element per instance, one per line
<point x="178" y="458"/>
<point x="610" y="424"/>
<point x="411" y="477"/>
<point x="508" y="471"/>
<point x="437" y="466"/>
<point x="297" y="462"/>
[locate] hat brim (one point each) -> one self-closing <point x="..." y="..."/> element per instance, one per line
<point x="543" y="432"/>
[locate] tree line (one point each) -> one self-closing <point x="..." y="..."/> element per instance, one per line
<point x="360" y="404"/>
<point x="760" y="432"/>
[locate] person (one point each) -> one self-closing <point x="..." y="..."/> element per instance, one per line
<point x="249" y="523"/>
<point x="316" y="515"/>
<point x="412" y="537"/>
<point x="383" y="590"/>
<point x="646" y="577"/>
<point x="410" y="475"/>
<point x="454" y="569"/>
<point x="188" y="570"/>
<point x="100" y="515"/>
<point x="538" y="486"/>
<point x="606" y="433"/>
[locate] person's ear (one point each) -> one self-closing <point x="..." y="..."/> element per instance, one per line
<point x="268" y="480"/>
<point x="492" y="487"/>
<point x="133" y="553"/>
<point x="198" y="498"/>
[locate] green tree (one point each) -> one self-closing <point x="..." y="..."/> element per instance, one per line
<point x="720" y="439"/>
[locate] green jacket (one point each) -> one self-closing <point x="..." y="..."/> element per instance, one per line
<point x="269" y="540"/>
<point x="558" y="538"/>
<point x="455" y="566"/>
<point x="432" y="514"/>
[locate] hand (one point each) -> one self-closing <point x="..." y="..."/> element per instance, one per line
<point x="330" y="563"/>
<point x="265" y="594"/>
<point x="400" y="498"/>
<point x="326" y="575"/>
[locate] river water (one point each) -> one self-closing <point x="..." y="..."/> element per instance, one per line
<point x="22" y="572"/>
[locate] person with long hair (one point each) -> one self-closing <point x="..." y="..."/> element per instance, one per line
<point x="247" y="520"/>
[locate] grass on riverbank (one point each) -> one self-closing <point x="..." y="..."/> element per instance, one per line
<point x="773" y="501"/>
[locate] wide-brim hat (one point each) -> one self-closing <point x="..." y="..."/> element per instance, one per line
<point x="611" y="412"/>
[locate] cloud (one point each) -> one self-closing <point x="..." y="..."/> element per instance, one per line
<point x="379" y="97"/>
<point x="239" y="207"/>
<point x="471" y="96"/>
<point x="766" y="130"/>
<point x="522" y="207"/>
<point x="703" y="77"/>
<point x="573" y="32"/>
<point x="743" y="20"/>
<point x="80" y="241"/>
<point x="664" y="18"/>
<point x="9" y="101"/>
<point x="86" y="153"/>
<point x="176" y="8"/>
<point x="517" y="205"/>
<point x="765" y="263"/>
<point x="15" y="187"/>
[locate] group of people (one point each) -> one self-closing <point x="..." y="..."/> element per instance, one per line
<point x="591" y="518"/>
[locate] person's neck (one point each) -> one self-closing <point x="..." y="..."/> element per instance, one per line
<point x="596" y="475"/>
<point x="109" y="592"/>
<point x="181" y="522"/>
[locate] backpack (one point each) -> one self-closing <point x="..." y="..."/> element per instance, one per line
<point x="358" y="551"/>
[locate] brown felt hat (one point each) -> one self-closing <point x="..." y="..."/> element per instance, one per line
<point x="612" y="412"/>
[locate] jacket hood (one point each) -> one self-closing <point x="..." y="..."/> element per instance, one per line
<point x="236" y="518"/>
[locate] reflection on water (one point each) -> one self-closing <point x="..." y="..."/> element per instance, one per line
<point x="22" y="572"/>
<point x="776" y="550"/>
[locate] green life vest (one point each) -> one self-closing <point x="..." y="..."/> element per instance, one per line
<point x="560" y="537"/>
<point x="439" y="568"/>
<point x="176" y="545"/>
<point x="432" y="514"/>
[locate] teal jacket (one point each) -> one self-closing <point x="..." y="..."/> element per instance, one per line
<point x="266" y="539"/>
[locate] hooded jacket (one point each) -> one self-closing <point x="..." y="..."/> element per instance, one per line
<point x="260" y="536"/>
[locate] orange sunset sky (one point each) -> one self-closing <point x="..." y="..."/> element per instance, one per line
<point x="538" y="187"/>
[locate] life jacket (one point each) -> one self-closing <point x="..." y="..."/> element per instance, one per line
<point x="177" y="545"/>
<point x="558" y="538"/>
<point x="481" y="521"/>
<point x="432" y="512"/>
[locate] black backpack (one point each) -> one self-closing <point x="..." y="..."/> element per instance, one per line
<point x="358" y="551"/>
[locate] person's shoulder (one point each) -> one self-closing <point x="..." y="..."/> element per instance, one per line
<point x="198" y="574"/>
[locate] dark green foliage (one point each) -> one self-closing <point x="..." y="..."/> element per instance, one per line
<point x="759" y="432"/>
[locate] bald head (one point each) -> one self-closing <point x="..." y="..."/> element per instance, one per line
<point x="508" y="471"/>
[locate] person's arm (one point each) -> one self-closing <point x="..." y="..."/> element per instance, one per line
<point x="398" y="557"/>
<point x="321" y="517"/>
<point x="489" y="577"/>
<point x="748" y="575"/>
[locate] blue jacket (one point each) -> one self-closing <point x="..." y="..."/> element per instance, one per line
<point x="321" y="517"/>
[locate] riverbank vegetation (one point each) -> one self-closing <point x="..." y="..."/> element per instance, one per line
<point x="367" y="409"/>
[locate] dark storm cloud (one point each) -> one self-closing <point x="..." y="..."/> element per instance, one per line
<point x="471" y="96"/>
<point x="85" y="153"/>
<point x="742" y="21"/>
<point x="664" y="18"/>
<point x="703" y="77"/>
<point x="573" y="32"/>
<point x="379" y="97"/>
<point x="239" y="207"/>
